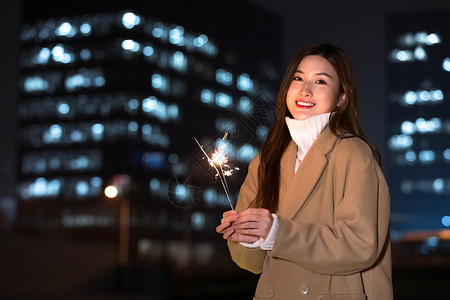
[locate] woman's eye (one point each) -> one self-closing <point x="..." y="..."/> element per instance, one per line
<point x="320" y="81"/>
<point x="297" y="78"/>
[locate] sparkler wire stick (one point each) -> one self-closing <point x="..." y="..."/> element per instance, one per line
<point x="219" y="174"/>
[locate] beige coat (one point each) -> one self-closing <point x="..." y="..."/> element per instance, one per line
<point x="333" y="236"/>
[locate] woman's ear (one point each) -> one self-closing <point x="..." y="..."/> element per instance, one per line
<point x="341" y="99"/>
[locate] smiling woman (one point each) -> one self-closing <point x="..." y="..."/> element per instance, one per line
<point x="313" y="213"/>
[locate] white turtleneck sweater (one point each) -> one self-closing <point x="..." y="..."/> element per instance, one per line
<point x="304" y="133"/>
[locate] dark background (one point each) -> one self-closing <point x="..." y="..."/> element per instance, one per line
<point x="357" y="26"/>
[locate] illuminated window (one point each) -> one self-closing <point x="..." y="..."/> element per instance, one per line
<point x="130" y="45"/>
<point x="200" y="41"/>
<point x="244" y="105"/>
<point x="447" y="154"/>
<point x="206" y="96"/>
<point x="198" y="220"/>
<point x="408" y="128"/>
<point x="178" y="61"/>
<point x="130" y="20"/>
<point x="160" y="82"/>
<point x="85" y="28"/>
<point x="427" y="156"/>
<point x="246" y="153"/>
<point x="176" y="36"/>
<point x="446" y="64"/>
<point x="66" y="29"/>
<point x="223" y="100"/>
<point x="244" y="83"/>
<point x="158" y="30"/>
<point x="261" y="132"/>
<point x="224" y="77"/>
<point x="398" y="142"/>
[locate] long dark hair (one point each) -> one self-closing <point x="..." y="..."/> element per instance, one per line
<point x="343" y="121"/>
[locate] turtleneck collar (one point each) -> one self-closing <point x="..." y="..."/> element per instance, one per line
<point x="305" y="132"/>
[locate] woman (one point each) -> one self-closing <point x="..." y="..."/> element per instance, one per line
<point x="313" y="212"/>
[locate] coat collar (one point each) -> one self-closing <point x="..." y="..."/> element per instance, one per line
<point x="296" y="187"/>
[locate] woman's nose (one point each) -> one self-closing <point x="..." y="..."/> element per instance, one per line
<point x="305" y="90"/>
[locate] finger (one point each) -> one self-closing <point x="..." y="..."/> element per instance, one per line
<point x="228" y="232"/>
<point x="222" y="227"/>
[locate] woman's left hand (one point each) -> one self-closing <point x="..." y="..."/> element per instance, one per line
<point x="254" y="221"/>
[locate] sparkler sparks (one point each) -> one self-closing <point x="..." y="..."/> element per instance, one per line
<point x="218" y="161"/>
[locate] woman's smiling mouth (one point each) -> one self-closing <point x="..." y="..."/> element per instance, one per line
<point x="304" y="104"/>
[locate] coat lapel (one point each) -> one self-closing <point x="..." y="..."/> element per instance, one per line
<point x="296" y="187"/>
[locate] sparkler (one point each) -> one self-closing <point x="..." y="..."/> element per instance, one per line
<point x="218" y="161"/>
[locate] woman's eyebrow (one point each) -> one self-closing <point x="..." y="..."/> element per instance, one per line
<point x="318" y="73"/>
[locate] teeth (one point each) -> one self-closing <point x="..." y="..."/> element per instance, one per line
<point x="304" y="103"/>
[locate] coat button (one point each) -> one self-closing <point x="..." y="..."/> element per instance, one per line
<point x="269" y="293"/>
<point x="304" y="289"/>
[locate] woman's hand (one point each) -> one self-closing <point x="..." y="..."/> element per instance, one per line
<point x="226" y="228"/>
<point x="253" y="222"/>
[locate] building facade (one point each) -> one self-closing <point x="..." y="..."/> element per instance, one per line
<point x="418" y="161"/>
<point x="116" y="96"/>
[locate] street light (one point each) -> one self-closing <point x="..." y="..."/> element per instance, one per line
<point x="124" y="224"/>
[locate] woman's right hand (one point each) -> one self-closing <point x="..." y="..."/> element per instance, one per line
<point x="229" y="233"/>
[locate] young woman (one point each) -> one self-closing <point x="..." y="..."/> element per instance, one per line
<point x="313" y="212"/>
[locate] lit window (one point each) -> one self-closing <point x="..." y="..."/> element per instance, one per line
<point x="261" y="132"/>
<point x="244" y="83"/>
<point x="63" y="108"/>
<point x="158" y="30"/>
<point x="148" y="51"/>
<point x="245" y="106"/>
<point x="176" y="36"/>
<point x="402" y="141"/>
<point x="410" y="156"/>
<point x="224" y="77"/>
<point x="97" y="131"/>
<point x="446" y="64"/>
<point x="408" y="128"/>
<point x="446" y="221"/>
<point x="131" y="45"/>
<point x="82" y="189"/>
<point x="246" y="153"/>
<point x="155" y="184"/>
<point x="85" y="28"/>
<point x="432" y="39"/>
<point x="447" y="154"/>
<point x="198" y="220"/>
<point x="438" y="185"/>
<point x="129" y="20"/>
<point x="420" y="54"/>
<point x="206" y="96"/>
<point x="158" y="81"/>
<point x="402" y="55"/>
<point x="223" y="100"/>
<point x="200" y="40"/>
<point x="133" y="126"/>
<point x="210" y="196"/>
<point x="178" y="61"/>
<point x="85" y="54"/>
<point x="426" y="156"/>
<point x="43" y="56"/>
<point x="65" y="29"/>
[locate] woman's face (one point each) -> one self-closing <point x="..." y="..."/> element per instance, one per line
<point x="314" y="89"/>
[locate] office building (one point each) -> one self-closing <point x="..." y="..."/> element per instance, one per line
<point x="115" y="96"/>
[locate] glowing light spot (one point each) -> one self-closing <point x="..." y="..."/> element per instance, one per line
<point x="129" y="20"/>
<point x="111" y="191"/>
<point x="446" y="221"/>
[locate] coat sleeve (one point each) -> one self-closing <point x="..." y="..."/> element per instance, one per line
<point x="246" y="258"/>
<point x="355" y="239"/>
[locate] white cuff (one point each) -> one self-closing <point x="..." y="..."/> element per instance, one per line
<point x="253" y="245"/>
<point x="266" y="244"/>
